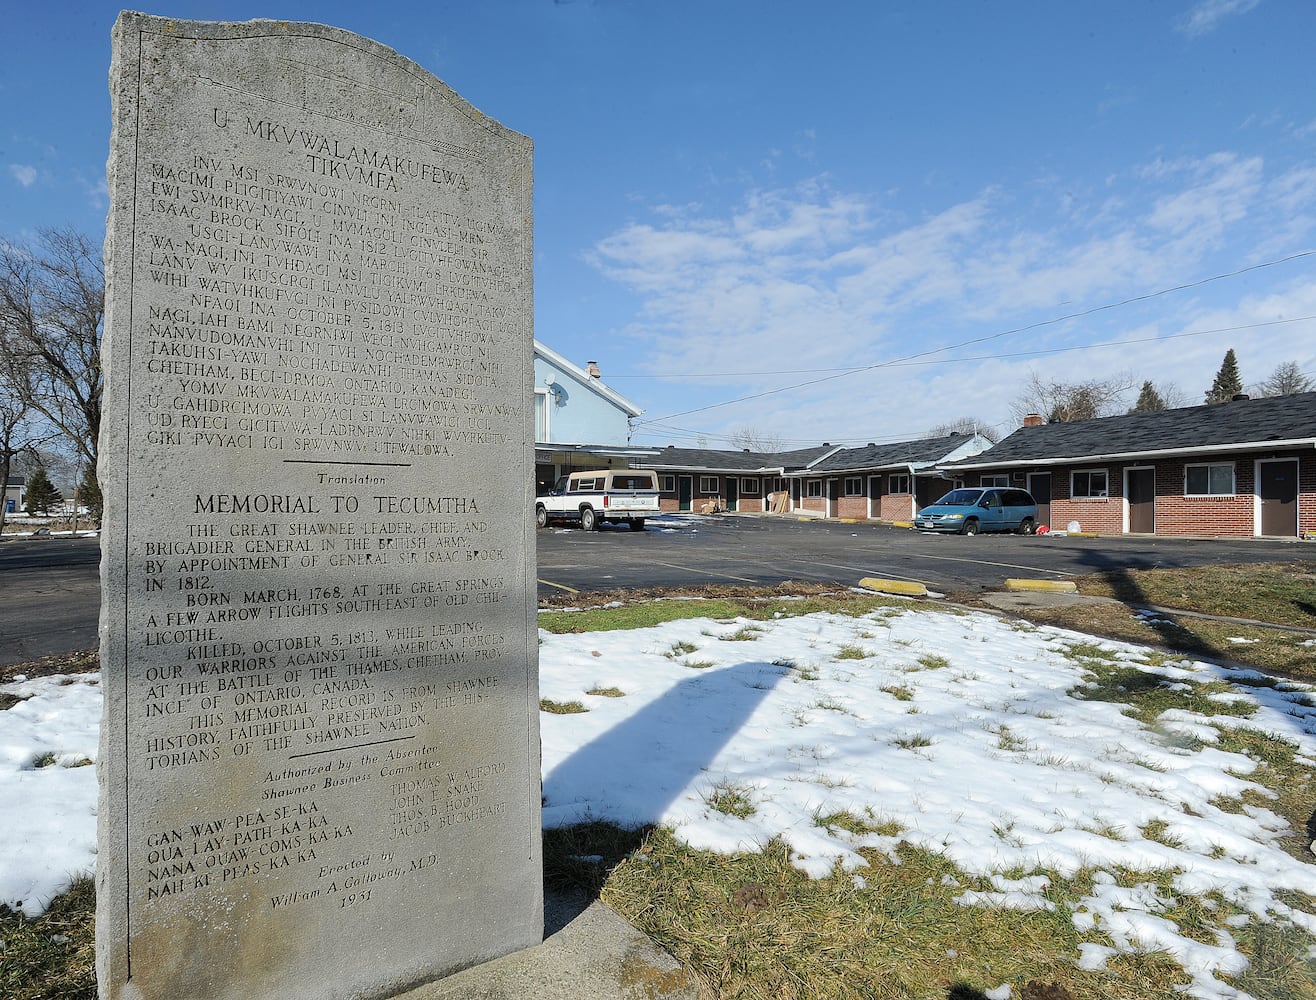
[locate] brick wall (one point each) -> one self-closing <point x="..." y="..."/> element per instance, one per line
<point x="1105" y="517"/>
<point x="897" y="507"/>
<point x="852" y="507"/>
<point x="1232" y="516"/>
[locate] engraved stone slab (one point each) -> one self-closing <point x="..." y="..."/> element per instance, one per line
<point x="320" y="758"/>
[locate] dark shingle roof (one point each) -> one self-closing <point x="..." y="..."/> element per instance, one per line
<point x="1244" y="422"/>
<point x="894" y="455"/>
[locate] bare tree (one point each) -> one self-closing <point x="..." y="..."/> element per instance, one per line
<point x="964" y="425"/>
<point x="52" y="304"/>
<point x="1286" y="380"/>
<point x="1064" y="402"/>
<point x="755" y="439"/>
<point x="19" y="437"/>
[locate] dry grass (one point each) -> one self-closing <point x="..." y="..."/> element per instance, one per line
<point x="1279" y="593"/>
<point x="1282" y="594"/>
<point x="561" y="707"/>
<point x="51" y="957"/>
<point x="753" y="926"/>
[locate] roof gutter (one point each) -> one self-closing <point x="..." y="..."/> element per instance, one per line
<point x="893" y="467"/>
<point x="713" y="470"/>
<point x="1157" y="453"/>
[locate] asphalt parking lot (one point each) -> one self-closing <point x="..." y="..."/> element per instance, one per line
<point x="50" y="588"/>
<point x="685" y="551"/>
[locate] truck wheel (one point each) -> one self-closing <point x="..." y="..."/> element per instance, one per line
<point x="970" y="527"/>
<point x="541" y="516"/>
<point x="637" y="524"/>
<point x="588" y="520"/>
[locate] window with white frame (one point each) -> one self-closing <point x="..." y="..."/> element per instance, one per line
<point x="899" y="483"/>
<point x="708" y="484"/>
<point x="1089" y="484"/>
<point x="1209" y="480"/>
<point x="667" y="484"/>
<point x="749" y="487"/>
<point x="854" y="486"/>
<point x="541" y="415"/>
<point x="813" y="488"/>
<point x="1001" y="480"/>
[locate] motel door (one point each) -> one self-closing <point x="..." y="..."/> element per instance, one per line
<point x="733" y="493"/>
<point x="1039" y="485"/>
<point x="1142" y="501"/>
<point x="685" y="492"/>
<point x="1278" y="485"/>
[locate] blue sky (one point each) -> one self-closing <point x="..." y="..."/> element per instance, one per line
<point x="736" y="199"/>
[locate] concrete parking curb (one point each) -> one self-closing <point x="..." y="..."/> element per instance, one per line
<point x="905" y="588"/>
<point x="1050" y="586"/>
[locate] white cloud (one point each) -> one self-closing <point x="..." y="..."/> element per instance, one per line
<point x="796" y="279"/>
<point x="24" y="174"/>
<point x="1224" y="187"/>
<point x="1206" y="16"/>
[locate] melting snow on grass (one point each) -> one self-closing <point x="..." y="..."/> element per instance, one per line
<point x="956" y="733"/>
<point x="48" y="830"/>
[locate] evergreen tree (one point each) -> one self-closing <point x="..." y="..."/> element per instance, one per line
<point x="89" y="495"/>
<point x="1149" y="400"/>
<point x="41" y="493"/>
<point x="1228" y="383"/>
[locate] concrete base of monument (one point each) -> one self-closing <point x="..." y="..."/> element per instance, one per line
<point x="589" y="953"/>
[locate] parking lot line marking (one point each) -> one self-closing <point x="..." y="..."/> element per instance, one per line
<point x="986" y="562"/>
<point x="559" y="586"/>
<point x="708" y="572"/>
<point x="868" y="571"/>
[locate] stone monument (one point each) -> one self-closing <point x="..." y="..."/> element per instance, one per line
<point x="319" y="764"/>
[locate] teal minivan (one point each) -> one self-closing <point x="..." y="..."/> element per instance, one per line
<point x="990" y="508"/>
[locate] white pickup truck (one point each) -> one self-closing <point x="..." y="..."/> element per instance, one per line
<point x="594" y="497"/>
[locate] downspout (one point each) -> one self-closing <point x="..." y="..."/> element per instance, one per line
<point x="913" y="491"/>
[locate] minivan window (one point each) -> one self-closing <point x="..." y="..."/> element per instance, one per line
<point x="960" y="498"/>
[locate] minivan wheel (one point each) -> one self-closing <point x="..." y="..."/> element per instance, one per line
<point x="1026" y="526"/>
<point x="970" y="527"/>
<point x="541" y="517"/>
<point x="588" y="520"/>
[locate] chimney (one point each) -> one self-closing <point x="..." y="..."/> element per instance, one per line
<point x="592" y="367"/>
<point x="1033" y="420"/>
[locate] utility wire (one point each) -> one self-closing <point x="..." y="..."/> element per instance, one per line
<point x="982" y="340"/>
<point x="994" y="357"/>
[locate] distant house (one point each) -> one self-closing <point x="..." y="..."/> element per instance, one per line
<point x="691" y="478"/>
<point x="886" y="482"/>
<point x="15" y="495"/>
<point x="580" y="423"/>
<point x="1239" y="469"/>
